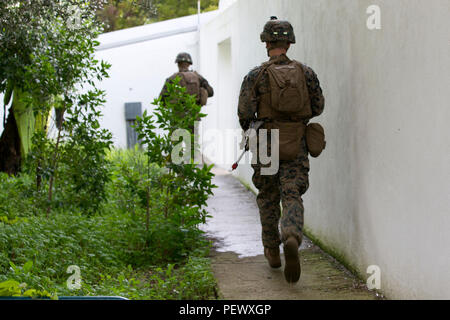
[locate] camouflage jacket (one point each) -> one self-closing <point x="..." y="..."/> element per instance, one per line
<point x="248" y="100"/>
<point x="203" y="83"/>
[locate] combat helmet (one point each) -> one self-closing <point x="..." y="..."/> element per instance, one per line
<point x="183" y="57"/>
<point x="278" y="30"/>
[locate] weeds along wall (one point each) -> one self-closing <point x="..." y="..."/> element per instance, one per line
<point x="379" y="194"/>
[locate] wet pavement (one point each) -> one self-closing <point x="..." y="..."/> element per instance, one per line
<point x="240" y="267"/>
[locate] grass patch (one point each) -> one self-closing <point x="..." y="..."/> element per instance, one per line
<point x="115" y="252"/>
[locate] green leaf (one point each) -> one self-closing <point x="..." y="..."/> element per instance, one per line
<point x="27" y="266"/>
<point x="8" y="93"/>
<point x="13" y="267"/>
<point x="30" y="293"/>
<point x="9" y="288"/>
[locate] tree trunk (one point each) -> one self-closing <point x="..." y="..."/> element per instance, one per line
<point x="10" y="154"/>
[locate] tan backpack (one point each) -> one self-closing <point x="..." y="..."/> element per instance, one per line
<point x="287" y="105"/>
<point x="288" y="90"/>
<point x="191" y="81"/>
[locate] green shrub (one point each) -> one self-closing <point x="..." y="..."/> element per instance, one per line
<point x="184" y="187"/>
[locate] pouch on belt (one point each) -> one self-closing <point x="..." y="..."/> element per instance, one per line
<point x="315" y="139"/>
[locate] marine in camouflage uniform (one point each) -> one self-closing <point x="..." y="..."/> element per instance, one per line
<point x="291" y="181"/>
<point x="184" y="60"/>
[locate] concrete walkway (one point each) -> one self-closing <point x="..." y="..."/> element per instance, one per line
<point x="239" y="264"/>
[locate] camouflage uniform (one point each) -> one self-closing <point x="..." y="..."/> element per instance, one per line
<point x="182" y="59"/>
<point x="291" y="181"/>
<point x="186" y="57"/>
<point x="203" y="83"/>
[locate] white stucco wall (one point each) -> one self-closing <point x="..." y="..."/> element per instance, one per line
<point x="380" y="192"/>
<point x="223" y="4"/>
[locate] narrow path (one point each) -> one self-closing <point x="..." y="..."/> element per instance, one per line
<point x="239" y="264"/>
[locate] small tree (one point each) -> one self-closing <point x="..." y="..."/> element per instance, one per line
<point x="185" y="187"/>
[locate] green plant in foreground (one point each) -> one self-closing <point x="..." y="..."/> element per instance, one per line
<point x="185" y="186"/>
<point x="11" y="288"/>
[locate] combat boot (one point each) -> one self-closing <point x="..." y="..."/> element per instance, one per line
<point x="292" y="267"/>
<point x="273" y="256"/>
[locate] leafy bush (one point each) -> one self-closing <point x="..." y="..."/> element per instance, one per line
<point x="185" y="186"/>
<point x="74" y="168"/>
<point x="11" y="288"/>
<point x="84" y="170"/>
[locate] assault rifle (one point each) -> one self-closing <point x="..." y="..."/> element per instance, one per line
<point x="250" y="133"/>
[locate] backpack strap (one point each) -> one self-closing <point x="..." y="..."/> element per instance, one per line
<point x="260" y="74"/>
<point x="265" y="66"/>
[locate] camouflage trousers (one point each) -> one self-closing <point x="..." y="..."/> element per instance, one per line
<point x="287" y="186"/>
